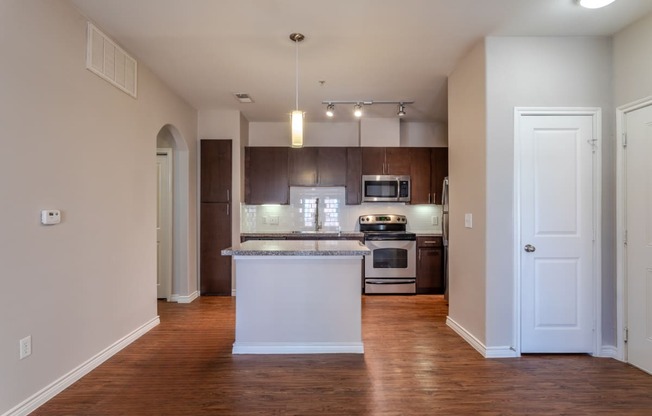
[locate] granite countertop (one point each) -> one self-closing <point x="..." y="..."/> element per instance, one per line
<point x="307" y="234"/>
<point x="297" y="248"/>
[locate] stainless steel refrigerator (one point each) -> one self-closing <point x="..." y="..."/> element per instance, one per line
<point x="444" y="232"/>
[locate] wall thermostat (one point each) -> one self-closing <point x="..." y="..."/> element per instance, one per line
<point x="50" y="216"/>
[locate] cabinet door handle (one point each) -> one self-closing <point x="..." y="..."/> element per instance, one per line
<point x="428" y="197"/>
<point x="430" y="242"/>
<point x="227" y="210"/>
<point x="228" y="197"/>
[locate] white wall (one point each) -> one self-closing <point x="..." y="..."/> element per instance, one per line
<point x="315" y="134"/>
<point x="72" y="141"/>
<point x="412" y="134"/>
<point x="536" y="72"/>
<point x="467" y="176"/>
<point x="424" y="134"/>
<point x="633" y="62"/>
<point x="380" y="132"/>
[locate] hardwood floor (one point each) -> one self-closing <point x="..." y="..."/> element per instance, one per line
<point x="413" y="365"/>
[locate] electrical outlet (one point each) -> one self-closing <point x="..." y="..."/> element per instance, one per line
<point x="26" y="347"/>
<point x="264" y="220"/>
<point x="434" y="220"/>
<point x="273" y="220"/>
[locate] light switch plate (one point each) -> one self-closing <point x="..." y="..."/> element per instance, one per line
<point x="468" y="220"/>
<point x="272" y="220"/>
<point x="434" y="220"/>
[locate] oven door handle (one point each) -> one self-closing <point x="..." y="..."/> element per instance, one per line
<point x="390" y="281"/>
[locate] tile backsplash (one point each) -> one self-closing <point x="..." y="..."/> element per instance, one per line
<point x="334" y="214"/>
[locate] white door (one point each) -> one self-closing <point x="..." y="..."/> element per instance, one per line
<point x="556" y="213"/>
<point x="164" y="224"/>
<point x="638" y="202"/>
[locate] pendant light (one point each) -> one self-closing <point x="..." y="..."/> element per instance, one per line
<point x="594" y="4"/>
<point x="297" y="115"/>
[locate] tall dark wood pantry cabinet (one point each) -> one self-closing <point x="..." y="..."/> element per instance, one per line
<point x="216" y="214"/>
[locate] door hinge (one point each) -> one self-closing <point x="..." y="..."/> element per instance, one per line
<point x="624" y="139"/>
<point x="626" y="335"/>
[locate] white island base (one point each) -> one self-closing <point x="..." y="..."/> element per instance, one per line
<point x="298" y="304"/>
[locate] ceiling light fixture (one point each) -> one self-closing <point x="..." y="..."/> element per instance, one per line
<point x="357" y="108"/>
<point x="330" y="110"/>
<point x="594" y="4"/>
<point x="297" y="115"/>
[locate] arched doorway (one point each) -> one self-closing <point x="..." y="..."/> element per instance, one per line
<point x="172" y="215"/>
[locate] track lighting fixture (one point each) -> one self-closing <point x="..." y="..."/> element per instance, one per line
<point x="357" y="106"/>
<point x="357" y="110"/>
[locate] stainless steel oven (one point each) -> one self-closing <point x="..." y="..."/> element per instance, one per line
<point x="391" y="266"/>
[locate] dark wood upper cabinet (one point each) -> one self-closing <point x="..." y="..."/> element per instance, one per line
<point x="373" y="161"/>
<point x="331" y="166"/>
<point x="397" y="160"/>
<point x="385" y="160"/>
<point x="266" y="175"/>
<point x="420" y="175"/>
<point x="438" y="171"/>
<point x="302" y="166"/>
<point x="317" y="166"/>
<point x="353" y="175"/>
<point x="270" y="171"/>
<point x="215" y="168"/>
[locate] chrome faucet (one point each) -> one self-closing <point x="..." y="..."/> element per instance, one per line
<point x="317" y="224"/>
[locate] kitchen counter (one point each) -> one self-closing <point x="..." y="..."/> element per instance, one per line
<point x="298" y="248"/>
<point x="298" y="296"/>
<point x="304" y="235"/>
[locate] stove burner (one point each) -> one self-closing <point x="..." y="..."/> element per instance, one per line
<point x="385" y="227"/>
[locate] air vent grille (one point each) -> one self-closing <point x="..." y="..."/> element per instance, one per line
<point x="106" y="59"/>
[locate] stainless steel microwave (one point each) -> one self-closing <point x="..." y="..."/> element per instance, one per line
<point x="385" y="188"/>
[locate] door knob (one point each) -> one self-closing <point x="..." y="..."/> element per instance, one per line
<point x="530" y="248"/>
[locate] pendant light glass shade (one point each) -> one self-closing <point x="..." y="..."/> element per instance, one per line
<point x="594" y="4"/>
<point x="297" y="128"/>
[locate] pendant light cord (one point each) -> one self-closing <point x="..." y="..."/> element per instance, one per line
<point x="296" y="42"/>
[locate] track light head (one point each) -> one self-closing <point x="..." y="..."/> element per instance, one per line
<point x="357" y="110"/>
<point x="401" y="110"/>
<point x="330" y="110"/>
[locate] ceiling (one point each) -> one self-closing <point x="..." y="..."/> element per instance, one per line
<point x="380" y="50"/>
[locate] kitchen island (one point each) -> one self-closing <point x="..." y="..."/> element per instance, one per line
<point x="298" y="297"/>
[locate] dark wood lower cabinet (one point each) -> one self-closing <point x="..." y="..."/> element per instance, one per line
<point x="430" y="276"/>
<point x="215" y="235"/>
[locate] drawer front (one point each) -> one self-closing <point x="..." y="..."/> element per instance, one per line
<point x="429" y="242"/>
